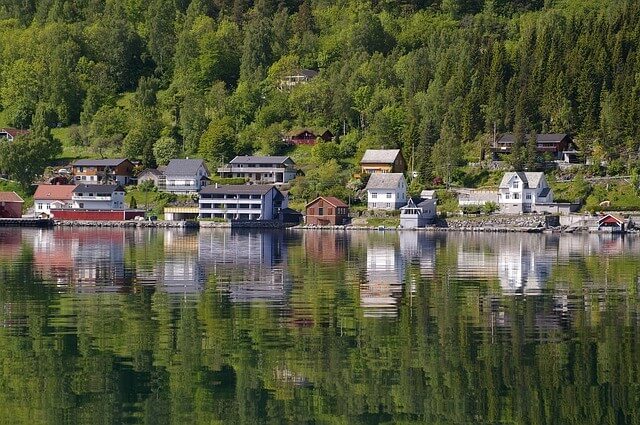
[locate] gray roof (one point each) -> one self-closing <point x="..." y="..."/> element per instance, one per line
<point x="151" y="171"/>
<point x="244" y="189"/>
<point x="99" y="162"/>
<point x="428" y="194"/>
<point x="385" y="156"/>
<point x="309" y="73"/>
<point x="260" y="160"/>
<point x="183" y="167"/>
<point x="549" y="137"/>
<point x="530" y="180"/>
<point x="385" y="180"/>
<point x="98" y="189"/>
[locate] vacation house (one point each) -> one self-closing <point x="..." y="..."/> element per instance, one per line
<point x="10" y="205"/>
<point x="52" y="196"/>
<point x="185" y="176"/>
<point x="386" y="191"/>
<point x="307" y="136"/>
<point x="327" y="210"/>
<point x="383" y="161"/>
<point x="417" y="214"/>
<point x="9" y="134"/>
<point x="241" y="202"/>
<point x="523" y="192"/>
<point x="103" y="171"/>
<point x="260" y="169"/>
<point x="300" y="76"/>
<point x="553" y="144"/>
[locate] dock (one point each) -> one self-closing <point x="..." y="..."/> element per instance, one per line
<point x="26" y="222"/>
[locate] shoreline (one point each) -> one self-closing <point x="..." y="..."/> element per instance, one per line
<point x="348" y="228"/>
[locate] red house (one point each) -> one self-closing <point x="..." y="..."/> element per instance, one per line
<point x="10" y="205"/>
<point x="307" y="136"/>
<point x="9" y="134"/>
<point x="326" y="211"/>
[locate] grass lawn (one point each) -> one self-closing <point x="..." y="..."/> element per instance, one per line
<point x="386" y="222"/>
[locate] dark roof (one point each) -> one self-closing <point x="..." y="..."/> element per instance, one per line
<point x="99" y="162"/>
<point x="385" y="180"/>
<point x="330" y="199"/>
<point x="183" y="167"/>
<point x="260" y="160"/>
<point x="426" y="202"/>
<point x="98" y="189"/>
<point x="380" y="156"/>
<point x="550" y="137"/>
<point x="544" y="192"/>
<point x="290" y="211"/>
<point x="309" y="73"/>
<point x="244" y="189"/>
<point x="315" y="131"/>
<point x="151" y="171"/>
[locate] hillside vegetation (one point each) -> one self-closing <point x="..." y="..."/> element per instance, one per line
<point x="152" y="79"/>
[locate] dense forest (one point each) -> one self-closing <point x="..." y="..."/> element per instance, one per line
<point x="155" y="79"/>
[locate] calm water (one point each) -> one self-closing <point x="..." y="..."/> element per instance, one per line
<point x="209" y="327"/>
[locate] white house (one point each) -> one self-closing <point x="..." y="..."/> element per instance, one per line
<point x="186" y="176"/>
<point x="386" y="191"/>
<point x="241" y="202"/>
<point x="260" y="169"/>
<point x="9" y="134"/>
<point x="98" y="197"/>
<point x="415" y="215"/>
<point x="522" y="191"/>
<point x="48" y="197"/>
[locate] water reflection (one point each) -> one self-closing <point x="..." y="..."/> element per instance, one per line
<point x="219" y="326"/>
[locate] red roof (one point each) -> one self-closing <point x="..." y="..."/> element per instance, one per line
<point x="54" y="192"/>
<point x="13" y="132"/>
<point x="10" y="197"/>
<point x="330" y="199"/>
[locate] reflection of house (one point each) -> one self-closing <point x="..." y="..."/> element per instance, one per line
<point x="248" y="266"/>
<point x="10" y="205"/>
<point x="414" y="215"/>
<point x="554" y="144"/>
<point x="380" y="294"/>
<point x="523" y="192"/>
<point x="383" y="161"/>
<point x="241" y="202"/>
<point x="326" y="247"/>
<point x="307" y="136"/>
<point x="103" y="171"/>
<point x="523" y="269"/>
<point x="386" y="191"/>
<point x="9" y="134"/>
<point x="260" y="169"/>
<point x="185" y="176"/>
<point x="48" y="197"/>
<point x="327" y="210"/>
<point x="301" y="76"/>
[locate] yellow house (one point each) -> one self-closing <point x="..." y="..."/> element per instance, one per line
<point x="383" y="161"/>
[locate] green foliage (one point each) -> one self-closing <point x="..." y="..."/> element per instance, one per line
<point x="430" y="77"/>
<point x="26" y="158"/>
<point x="165" y="149"/>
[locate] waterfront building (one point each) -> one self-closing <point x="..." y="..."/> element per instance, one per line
<point x="327" y="210"/>
<point x="241" y="202"/>
<point x="185" y="176"/>
<point x="386" y="191"/>
<point x="49" y="196"/>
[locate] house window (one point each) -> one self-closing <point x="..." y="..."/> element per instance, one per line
<point x="507" y="196"/>
<point x="516" y="196"/>
<point x="39" y="206"/>
<point x="388" y="195"/>
<point x="320" y="211"/>
<point x="374" y="195"/>
<point x="516" y="184"/>
<point x="388" y="205"/>
<point x="81" y="204"/>
<point x="311" y="211"/>
<point x="528" y="196"/>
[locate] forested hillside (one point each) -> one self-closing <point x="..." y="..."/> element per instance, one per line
<point x="151" y="79"/>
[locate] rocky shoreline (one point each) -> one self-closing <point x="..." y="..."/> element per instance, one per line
<point x="494" y="223"/>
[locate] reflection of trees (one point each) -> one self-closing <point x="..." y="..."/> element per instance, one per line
<point x="455" y="353"/>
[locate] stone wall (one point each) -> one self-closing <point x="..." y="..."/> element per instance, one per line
<point x="529" y="222"/>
